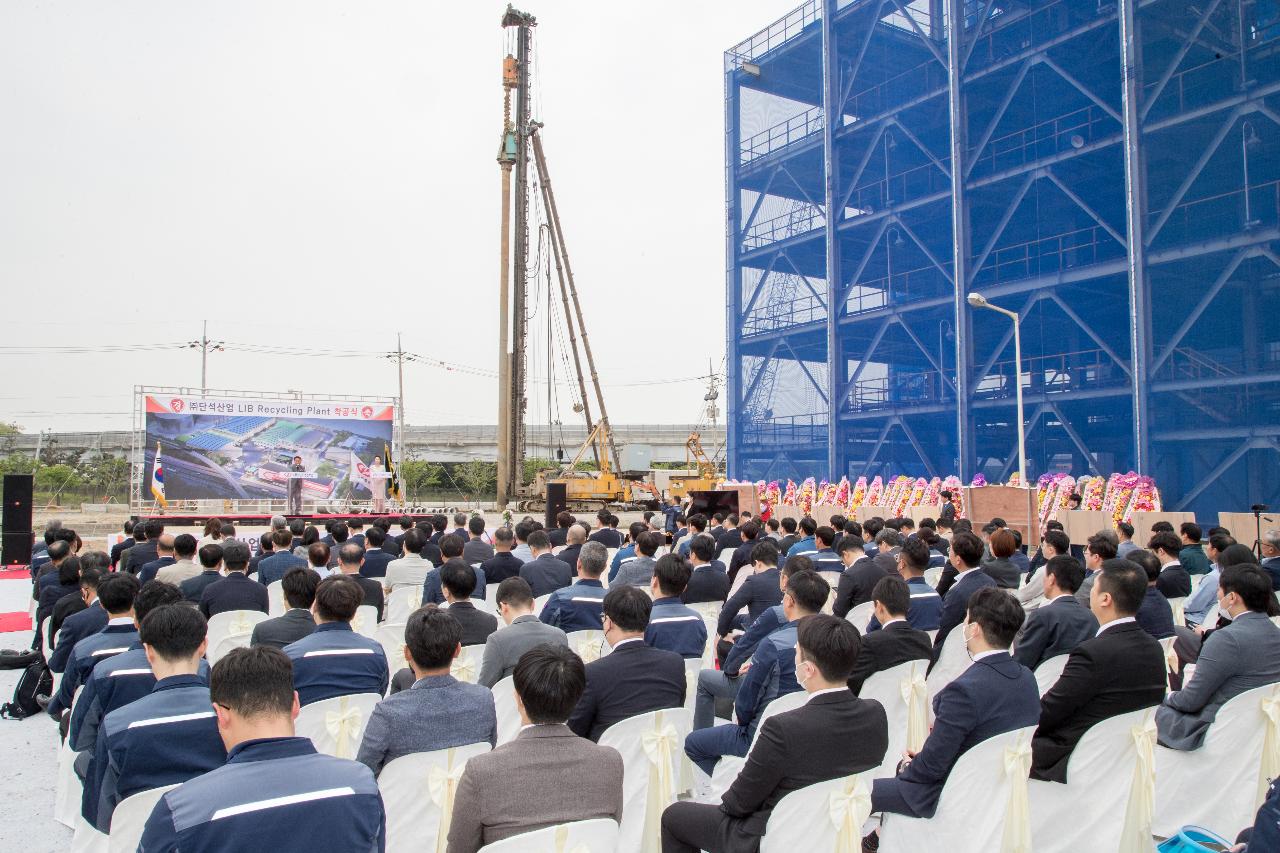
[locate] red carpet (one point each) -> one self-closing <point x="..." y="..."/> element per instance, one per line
<point x="14" y="622"/>
<point x="15" y="574"/>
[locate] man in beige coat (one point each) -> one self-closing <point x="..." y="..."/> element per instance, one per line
<point x="547" y="775"/>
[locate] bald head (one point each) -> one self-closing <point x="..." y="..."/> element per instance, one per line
<point x="164" y="545"/>
<point x="577" y="535"/>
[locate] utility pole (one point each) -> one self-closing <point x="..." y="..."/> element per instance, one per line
<point x="506" y="159"/>
<point x="205" y="345"/>
<point x="400" y="407"/>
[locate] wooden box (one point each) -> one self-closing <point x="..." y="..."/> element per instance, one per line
<point x="1142" y="522"/>
<point x="863" y="513"/>
<point x="1243" y="526"/>
<point x="1080" y="524"/>
<point x="1017" y="506"/>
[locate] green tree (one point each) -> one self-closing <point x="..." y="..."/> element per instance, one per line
<point x="477" y="476"/>
<point x="418" y="475"/>
<point x="8" y="429"/>
<point x="17" y="463"/>
<point x="57" y="478"/>
<point x="106" y="474"/>
<point x="533" y="466"/>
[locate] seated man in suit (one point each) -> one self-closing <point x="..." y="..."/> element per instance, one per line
<point x="860" y="575"/>
<point x="275" y="788"/>
<point x="273" y="568"/>
<point x="168" y="735"/>
<point x="236" y="591"/>
<point x="547" y="775"/>
<point x="770" y="675"/>
<point x="559" y="534"/>
<point x="580" y="607"/>
<point x="639" y="571"/>
<point x="1155" y="615"/>
<point x="459" y="582"/>
<point x="545" y="572"/>
<point x="450" y="550"/>
<point x="164" y="558"/>
<point x="1054" y="543"/>
<point x="351" y="558"/>
<point x="503" y="564"/>
<point x="966" y="558"/>
<point x="758" y="592"/>
<point x="672" y="625"/>
<point x="83" y="623"/>
<point x="412" y="568"/>
<point x="708" y="581"/>
<point x="503" y="649"/>
<point x="896" y="642"/>
<point x="926" y="604"/>
<point x="437" y="711"/>
<point x="1239" y="657"/>
<point x="210" y="559"/>
<point x="1060" y="624"/>
<point x="834" y="734"/>
<point x="1174" y="580"/>
<point x="185" y="565"/>
<point x="575" y="538"/>
<point x="748" y="532"/>
<point x="116" y="593"/>
<point x="299" y="587"/>
<point x="334" y="660"/>
<point x="633" y="678"/>
<point x="376" y="558"/>
<point x="1119" y="669"/>
<point x="993" y="696"/>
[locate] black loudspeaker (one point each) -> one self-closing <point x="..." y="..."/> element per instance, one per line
<point x="16" y="520"/>
<point x="557" y="502"/>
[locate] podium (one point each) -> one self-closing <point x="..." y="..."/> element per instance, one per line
<point x="917" y="513"/>
<point x="1080" y="524"/>
<point x="1016" y="505"/>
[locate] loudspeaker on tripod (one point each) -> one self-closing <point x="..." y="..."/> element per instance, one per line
<point x="15" y="548"/>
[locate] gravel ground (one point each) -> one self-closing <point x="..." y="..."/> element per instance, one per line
<point x="28" y="752"/>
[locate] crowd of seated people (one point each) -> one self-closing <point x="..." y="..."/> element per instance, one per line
<point x="141" y="708"/>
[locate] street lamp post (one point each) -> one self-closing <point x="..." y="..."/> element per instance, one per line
<point x="977" y="300"/>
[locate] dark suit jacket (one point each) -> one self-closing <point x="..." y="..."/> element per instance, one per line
<point x="119" y="548"/>
<point x="709" y="582"/>
<point x="829" y="737"/>
<point x="1054" y="629"/>
<point x="557" y="536"/>
<point x="68" y="605"/>
<point x="150" y="570"/>
<point x="546" y="574"/>
<point x="758" y="593"/>
<point x="75" y="628"/>
<point x="1174" y="582"/>
<point x="234" y="592"/>
<point x="1003" y="572"/>
<point x="193" y="588"/>
<point x="138" y="556"/>
<point x="995" y="695"/>
<point x="1120" y="670"/>
<point x="374" y="596"/>
<point x="728" y="539"/>
<point x="395" y="545"/>
<point x="633" y="679"/>
<point x="955" y="604"/>
<point x="856" y="583"/>
<point x="570" y="556"/>
<point x="607" y="536"/>
<point x="476" y="624"/>
<point x="741" y="557"/>
<point x="283" y="630"/>
<point x="499" y="567"/>
<point x="375" y="563"/>
<point x="880" y="650"/>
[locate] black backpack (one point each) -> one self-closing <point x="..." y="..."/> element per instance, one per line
<point x="35" y="679"/>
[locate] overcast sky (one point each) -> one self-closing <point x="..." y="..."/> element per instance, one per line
<point x="321" y="175"/>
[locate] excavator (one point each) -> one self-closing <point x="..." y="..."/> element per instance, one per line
<point x="695" y="457"/>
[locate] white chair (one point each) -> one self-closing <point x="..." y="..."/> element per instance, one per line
<point x="1170" y="656"/>
<point x="1177" y="606"/>
<point x="129" y="818"/>
<point x="652" y="748"/>
<point x="952" y="662"/>
<point x="87" y="839"/>
<point x="833" y="581"/>
<point x="932" y="576"/>
<point x="986" y="787"/>
<point x="824" y="816"/>
<point x="725" y="555"/>
<point x="466" y="666"/>
<point x="902" y="692"/>
<point x="230" y="630"/>
<point x="504" y="702"/>
<point x="47" y="644"/>
<point x="1211" y="619"/>
<point x="1220" y="785"/>
<point x="391" y="636"/>
<point x="710" y="613"/>
<point x="743" y="573"/>
<point x="365" y="621"/>
<point x="692" y="668"/>
<point x="402" y="602"/>
<point x="581" y="836"/>
<point x="336" y="726"/>
<point x="1049" y="671"/>
<point x="275" y="598"/>
<point x="1112" y="769"/>
<point x="416" y="822"/>
<point x="68" y="788"/>
<point x="860" y="616"/>
<point x="587" y="644"/>
<point x="728" y="767"/>
<point x="539" y="603"/>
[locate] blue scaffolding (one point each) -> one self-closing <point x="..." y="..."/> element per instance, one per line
<point x="1108" y="170"/>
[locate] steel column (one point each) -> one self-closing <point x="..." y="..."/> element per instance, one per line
<point x="960" y="237"/>
<point x="832" y="108"/>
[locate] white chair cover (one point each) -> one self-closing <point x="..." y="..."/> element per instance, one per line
<point x="932" y="576"/>
<point x="466" y="666"/>
<point x="902" y="691"/>
<point x="1220" y="785"/>
<point x="582" y="836"/>
<point x="1170" y="656"/>
<point x="47" y="644"/>
<point x="504" y="702"/>
<point x="365" y="621"/>
<point x="710" y="613"/>
<point x="87" y="839"/>
<point x="1176" y="605"/>
<point x="417" y="794"/>
<point x="860" y="616"/>
<point x="952" y="663"/>
<point x="68" y="788"/>
<point x="231" y="630"/>
<point x="336" y="725"/>
<point x="391" y="636"/>
<point x="652" y="747"/>
<point x="275" y="598"/>
<point x="587" y="644"/>
<point x="1112" y="769"/>
<point x="402" y="602"/>
<point x="743" y="573"/>
<point x="691" y="670"/>
<point x="1049" y="671"/>
<point x="825" y="816"/>
<point x="725" y="555"/>
<point x="728" y="767"/>
<point x="129" y="818"/>
<point x="833" y="580"/>
<point x="983" y="806"/>
<point x="541" y="602"/>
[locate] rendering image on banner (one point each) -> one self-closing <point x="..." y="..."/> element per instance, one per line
<point x="242" y="447"/>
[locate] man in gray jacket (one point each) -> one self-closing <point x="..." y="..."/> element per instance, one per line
<point x="639" y="571"/>
<point x="524" y="631"/>
<point x="1239" y="657"/>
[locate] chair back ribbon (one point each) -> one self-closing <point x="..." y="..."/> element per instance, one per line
<point x="1270" y="746"/>
<point x="660" y="744"/>
<point x="589" y="650"/>
<point x="357" y="622"/>
<point x="463" y="669"/>
<point x="1017" y="815"/>
<point x="915" y="693"/>
<point x="1135" y="836"/>
<point x="343" y="725"/>
<point x="240" y="626"/>
<point x="442" y="785"/>
<point x="562" y="842"/>
<point x="848" y="809"/>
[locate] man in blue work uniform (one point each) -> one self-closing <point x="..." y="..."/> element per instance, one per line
<point x="334" y="660"/>
<point x="580" y="606"/>
<point x="672" y="625"/>
<point x="275" y="792"/>
<point x="115" y="593"/>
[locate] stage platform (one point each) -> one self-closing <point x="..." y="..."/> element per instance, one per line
<point x="253" y="519"/>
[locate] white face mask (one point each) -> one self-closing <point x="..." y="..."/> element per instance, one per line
<point x="800" y="679"/>
<point x="968" y="636"/>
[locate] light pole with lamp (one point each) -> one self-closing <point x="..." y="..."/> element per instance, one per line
<point x="977" y="300"/>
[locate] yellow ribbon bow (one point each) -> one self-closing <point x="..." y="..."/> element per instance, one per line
<point x="588" y="650"/>
<point x="848" y="809"/>
<point x="1135" y="837"/>
<point x="415" y="599"/>
<point x="1270" y="746"/>
<point x="562" y="842"/>
<point x="240" y="626"/>
<point x="1017" y="816"/>
<point x="660" y="748"/>
<point x="442" y="784"/>
<point x="342" y="725"/>
<point x="463" y="669"/>
<point x="357" y="622"/>
<point x="916" y="696"/>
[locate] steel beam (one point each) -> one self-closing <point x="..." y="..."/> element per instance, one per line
<point x="831" y="106"/>
<point x="733" y="278"/>
<point x="956" y="56"/>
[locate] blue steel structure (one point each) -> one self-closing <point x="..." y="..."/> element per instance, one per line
<point x="1109" y="170"/>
